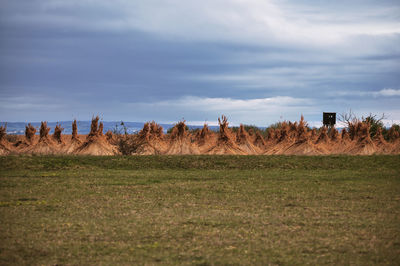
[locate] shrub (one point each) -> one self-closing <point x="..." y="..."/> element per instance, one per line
<point x="120" y="129"/>
<point x="374" y="123"/>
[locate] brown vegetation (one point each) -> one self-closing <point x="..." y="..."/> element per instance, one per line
<point x="180" y="141"/>
<point x="57" y="133"/>
<point x="74" y="130"/>
<point x="4" y="145"/>
<point x="226" y="143"/>
<point x="244" y="141"/>
<point x="149" y="140"/>
<point x="3" y="132"/>
<point x="45" y="145"/>
<point x="393" y="134"/>
<point x="30" y="133"/>
<point x="101" y="127"/>
<point x="44" y="131"/>
<point x="96" y="143"/>
<point x="109" y="135"/>
<point x="291" y="138"/>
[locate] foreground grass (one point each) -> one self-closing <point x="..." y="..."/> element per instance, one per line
<point x="200" y="210"/>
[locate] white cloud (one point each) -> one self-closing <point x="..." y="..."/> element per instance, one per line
<point x="228" y="104"/>
<point x="339" y="42"/>
<point x="30" y="103"/>
<point x="251" y="21"/>
<point x="261" y="111"/>
<point x="390" y="122"/>
<point x="388" y="92"/>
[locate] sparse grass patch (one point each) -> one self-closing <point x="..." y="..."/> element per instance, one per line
<point x="201" y="210"/>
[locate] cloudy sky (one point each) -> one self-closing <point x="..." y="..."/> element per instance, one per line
<point x="256" y="61"/>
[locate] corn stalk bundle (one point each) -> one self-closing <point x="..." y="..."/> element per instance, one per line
<point x="30" y="132"/>
<point x="74" y="130"/>
<point x="57" y="133"/>
<point x="3" y="132"/>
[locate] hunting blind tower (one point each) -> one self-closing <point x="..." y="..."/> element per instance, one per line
<point x="329" y="119"/>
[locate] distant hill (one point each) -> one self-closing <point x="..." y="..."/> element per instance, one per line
<point x="18" y="128"/>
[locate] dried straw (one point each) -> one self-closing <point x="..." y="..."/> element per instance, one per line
<point x="323" y="135"/>
<point x="302" y="134"/>
<point x="379" y="136"/>
<point x="179" y="130"/>
<point x="145" y="132"/>
<point x="334" y="134"/>
<point x="242" y="135"/>
<point x="345" y="135"/>
<point x="44" y="130"/>
<point x="3" y="132"/>
<point x="259" y="140"/>
<point x="101" y="127"/>
<point x="30" y="132"/>
<point x="393" y="134"/>
<point x="57" y="133"/>
<point x="109" y="135"/>
<point x="156" y="130"/>
<point x="225" y="135"/>
<point x="94" y="127"/>
<point x="74" y="130"/>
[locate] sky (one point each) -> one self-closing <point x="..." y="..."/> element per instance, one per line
<point x="255" y="61"/>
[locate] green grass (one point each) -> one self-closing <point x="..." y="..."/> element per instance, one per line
<point x="200" y="210"/>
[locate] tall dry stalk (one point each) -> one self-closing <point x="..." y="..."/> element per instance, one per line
<point x="323" y="135"/>
<point x="272" y="135"/>
<point x="74" y="130"/>
<point x="30" y="132"/>
<point x="379" y="136"/>
<point x="101" y="127"/>
<point x="179" y="130"/>
<point x="242" y="135"/>
<point x="109" y="135"/>
<point x="57" y="133"/>
<point x="259" y="140"/>
<point x="345" y="135"/>
<point x="225" y="135"/>
<point x="3" y="132"/>
<point x="94" y="127"/>
<point x="44" y="130"/>
<point x="393" y="134"/>
<point x="145" y="132"/>
<point x="302" y="134"/>
<point x="156" y="130"/>
<point x="334" y="134"/>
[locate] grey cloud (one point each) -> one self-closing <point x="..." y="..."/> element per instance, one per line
<point x="116" y="57"/>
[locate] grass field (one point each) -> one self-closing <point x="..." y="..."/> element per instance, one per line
<point x="202" y="210"/>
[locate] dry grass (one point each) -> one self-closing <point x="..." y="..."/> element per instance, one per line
<point x="57" y="133"/>
<point x="3" y="132"/>
<point x="44" y="130"/>
<point x="101" y="127"/>
<point x="287" y="138"/>
<point x="393" y="134"/>
<point x="94" y="131"/>
<point x="74" y="130"/>
<point x="30" y="132"/>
